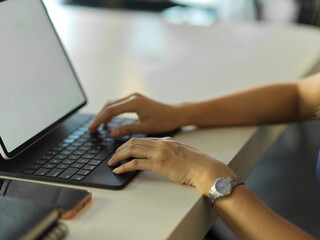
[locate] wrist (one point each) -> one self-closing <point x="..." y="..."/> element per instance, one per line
<point x="223" y="187"/>
<point x="185" y="114"/>
<point x="209" y="172"/>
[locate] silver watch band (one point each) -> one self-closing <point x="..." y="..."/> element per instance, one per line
<point x="223" y="187"/>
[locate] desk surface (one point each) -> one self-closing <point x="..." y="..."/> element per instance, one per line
<point x="116" y="53"/>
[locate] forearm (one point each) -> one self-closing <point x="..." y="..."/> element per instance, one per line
<point x="268" y="104"/>
<point x="249" y="218"/>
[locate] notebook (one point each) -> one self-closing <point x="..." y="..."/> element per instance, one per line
<point x="27" y="220"/>
<point x="42" y="137"/>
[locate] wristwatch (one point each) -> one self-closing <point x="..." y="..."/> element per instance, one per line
<point x="223" y="187"/>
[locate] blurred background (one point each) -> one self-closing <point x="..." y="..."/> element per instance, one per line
<point x="206" y="12"/>
<point x="288" y="167"/>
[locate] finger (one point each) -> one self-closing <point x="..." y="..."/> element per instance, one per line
<point x="147" y="142"/>
<point x="131" y="151"/>
<point x="128" y="129"/>
<point x="112" y="110"/>
<point x="135" y="164"/>
<point x="102" y="117"/>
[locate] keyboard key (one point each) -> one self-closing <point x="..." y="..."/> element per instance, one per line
<point x="61" y="156"/>
<point x="68" y="161"/>
<point x="79" y="132"/>
<point x="77" y="165"/>
<point x="88" y="155"/>
<point x="41" y="161"/>
<point x="46" y="157"/>
<point x="68" y="140"/>
<point x="79" y="152"/>
<point x="52" y="153"/>
<point x="81" y="140"/>
<point x="66" y="152"/>
<point x="73" y="136"/>
<point x="85" y="136"/>
<point x="88" y="144"/>
<point x="63" y="145"/>
<point x="84" y="148"/>
<point x="94" y="140"/>
<point x="103" y="135"/>
<point x="29" y="171"/>
<point x="63" y="166"/>
<point x="77" y="177"/>
<point x="58" y="149"/>
<point x="54" y="172"/>
<point x="89" y="167"/>
<point x="42" y="171"/>
<point x="35" y="166"/>
<point x="71" y="148"/>
<point x="55" y="161"/>
<point x="83" y="160"/>
<point x="94" y="162"/>
<point x="74" y="157"/>
<point x="93" y="151"/>
<point x="98" y="147"/>
<point x="83" y="172"/>
<point x="49" y="165"/>
<point x="76" y="144"/>
<point x="104" y="144"/>
<point x="68" y="173"/>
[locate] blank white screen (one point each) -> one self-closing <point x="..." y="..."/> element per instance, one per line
<point x="37" y="84"/>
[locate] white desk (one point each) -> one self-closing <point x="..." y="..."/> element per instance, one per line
<point x="116" y="53"/>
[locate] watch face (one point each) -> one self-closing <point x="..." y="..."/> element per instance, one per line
<point x="223" y="186"/>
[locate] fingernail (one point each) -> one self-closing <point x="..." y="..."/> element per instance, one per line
<point x="110" y="162"/>
<point x="116" y="170"/>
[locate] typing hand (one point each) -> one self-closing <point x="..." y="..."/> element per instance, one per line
<point x="169" y="158"/>
<point x="153" y="117"/>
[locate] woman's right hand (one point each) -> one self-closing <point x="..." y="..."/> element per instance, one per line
<point x="172" y="159"/>
<point x="153" y="117"/>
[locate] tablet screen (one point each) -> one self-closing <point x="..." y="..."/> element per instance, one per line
<point x="37" y="84"/>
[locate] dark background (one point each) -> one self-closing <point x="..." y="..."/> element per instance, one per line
<point x="307" y="13"/>
<point x="285" y="179"/>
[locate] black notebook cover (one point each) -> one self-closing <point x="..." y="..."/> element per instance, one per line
<point x="20" y="219"/>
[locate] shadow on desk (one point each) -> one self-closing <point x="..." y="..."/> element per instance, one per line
<point x="285" y="179"/>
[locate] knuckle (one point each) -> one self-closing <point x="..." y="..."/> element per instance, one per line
<point x="165" y="144"/>
<point x="134" y="163"/>
<point x="133" y="140"/>
<point x="136" y="94"/>
<point x="136" y="99"/>
<point x="109" y="109"/>
<point x="131" y="147"/>
<point x="107" y="103"/>
<point x="168" y="138"/>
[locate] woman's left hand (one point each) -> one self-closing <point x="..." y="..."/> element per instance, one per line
<point x="169" y="158"/>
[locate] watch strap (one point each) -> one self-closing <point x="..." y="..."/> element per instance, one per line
<point x="214" y="194"/>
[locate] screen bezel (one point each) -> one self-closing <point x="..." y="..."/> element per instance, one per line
<point x="9" y="155"/>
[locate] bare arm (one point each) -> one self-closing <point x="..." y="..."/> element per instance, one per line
<point x="249" y="218"/>
<point x="242" y="211"/>
<point x="267" y="104"/>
